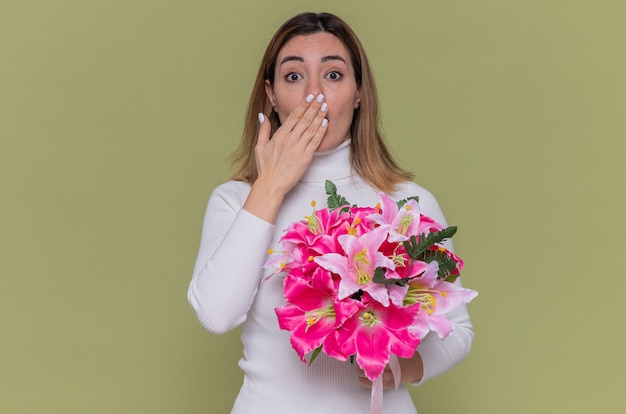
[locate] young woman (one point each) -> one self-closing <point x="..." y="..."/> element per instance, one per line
<point x="312" y="116"/>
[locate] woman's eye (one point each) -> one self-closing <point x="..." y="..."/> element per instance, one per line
<point x="292" y="77"/>
<point x="334" y="75"/>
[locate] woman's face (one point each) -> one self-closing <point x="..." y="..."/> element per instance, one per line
<point x="316" y="63"/>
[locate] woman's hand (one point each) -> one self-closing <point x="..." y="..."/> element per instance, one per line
<point x="283" y="159"/>
<point x="411" y="369"/>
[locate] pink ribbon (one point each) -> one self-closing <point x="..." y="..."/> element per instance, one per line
<point x="376" y="401"/>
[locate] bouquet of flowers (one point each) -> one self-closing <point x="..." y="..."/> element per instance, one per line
<point x="366" y="283"/>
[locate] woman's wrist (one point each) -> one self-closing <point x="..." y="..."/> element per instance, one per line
<point x="264" y="200"/>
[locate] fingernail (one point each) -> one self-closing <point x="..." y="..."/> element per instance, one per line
<point x="310" y="98"/>
<point x="261" y="118"/>
<point x="320" y="97"/>
<point x="325" y="122"/>
<point x="324" y="107"/>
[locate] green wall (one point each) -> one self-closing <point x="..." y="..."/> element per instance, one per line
<point x="116" y="120"/>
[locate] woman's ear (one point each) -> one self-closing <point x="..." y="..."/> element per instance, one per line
<point x="269" y="92"/>
<point x="357" y="99"/>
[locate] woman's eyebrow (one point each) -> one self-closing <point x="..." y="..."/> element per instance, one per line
<point x="290" y="58"/>
<point x="301" y="59"/>
<point x="333" y="57"/>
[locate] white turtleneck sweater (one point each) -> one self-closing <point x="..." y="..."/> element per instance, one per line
<point x="226" y="291"/>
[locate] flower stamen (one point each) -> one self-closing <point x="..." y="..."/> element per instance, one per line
<point x="405" y="223"/>
<point x="352" y="228"/>
<point x="361" y="264"/>
<point x="398" y="259"/>
<point x="368" y="318"/>
<point x="425" y="297"/>
<point x="312" y="222"/>
<point x="314" y="316"/>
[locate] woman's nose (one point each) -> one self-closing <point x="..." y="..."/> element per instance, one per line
<point x="314" y="86"/>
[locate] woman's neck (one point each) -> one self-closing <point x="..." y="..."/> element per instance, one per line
<point x="330" y="165"/>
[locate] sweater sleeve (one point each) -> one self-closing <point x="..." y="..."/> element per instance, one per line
<point x="229" y="266"/>
<point x="439" y="356"/>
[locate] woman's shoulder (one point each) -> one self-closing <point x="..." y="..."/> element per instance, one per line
<point x="410" y="189"/>
<point x="231" y="191"/>
<point x="232" y="186"/>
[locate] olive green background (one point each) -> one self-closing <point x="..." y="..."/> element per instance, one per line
<point x="116" y="121"/>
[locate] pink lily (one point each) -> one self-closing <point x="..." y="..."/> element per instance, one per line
<point x="280" y="261"/>
<point x="359" y="222"/>
<point x="428" y="225"/>
<point x="376" y="331"/>
<point x="437" y="297"/>
<point x="312" y="314"/>
<point x="405" y="268"/>
<point x="403" y="222"/>
<point x="356" y="268"/>
<point x="304" y="240"/>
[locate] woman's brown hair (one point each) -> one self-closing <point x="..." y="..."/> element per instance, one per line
<point x="369" y="154"/>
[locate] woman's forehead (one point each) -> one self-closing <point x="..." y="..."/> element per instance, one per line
<point x="316" y="45"/>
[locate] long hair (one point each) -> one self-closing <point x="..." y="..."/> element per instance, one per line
<point x="370" y="156"/>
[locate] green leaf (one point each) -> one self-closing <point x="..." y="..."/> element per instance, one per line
<point x="415" y="247"/>
<point x="451" y="278"/>
<point x="314" y="355"/>
<point x="334" y="200"/>
<point x="446" y="263"/>
<point x="379" y="277"/>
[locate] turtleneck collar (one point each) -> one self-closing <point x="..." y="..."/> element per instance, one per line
<point x="330" y="165"/>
